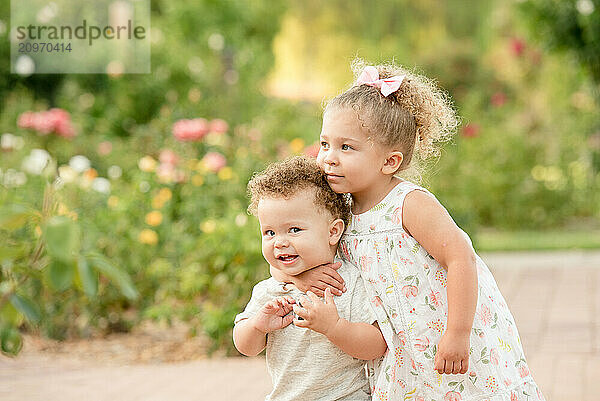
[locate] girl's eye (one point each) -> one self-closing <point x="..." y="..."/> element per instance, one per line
<point x="346" y="147"/>
<point x="324" y="145"/>
<point x="269" y="233"/>
<point x="295" y="230"/>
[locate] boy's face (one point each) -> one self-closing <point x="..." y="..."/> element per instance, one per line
<point x="296" y="233"/>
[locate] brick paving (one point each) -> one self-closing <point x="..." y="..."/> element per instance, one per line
<point x="555" y="298"/>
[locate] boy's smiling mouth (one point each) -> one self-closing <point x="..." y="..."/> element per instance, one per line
<point x="287" y="259"/>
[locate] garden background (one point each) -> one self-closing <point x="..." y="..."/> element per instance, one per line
<point x="123" y="196"/>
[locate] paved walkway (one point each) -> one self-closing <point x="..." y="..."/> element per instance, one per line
<point x="555" y="298"/>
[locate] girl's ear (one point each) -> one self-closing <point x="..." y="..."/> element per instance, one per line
<point x="392" y="162"/>
<point x="336" y="229"/>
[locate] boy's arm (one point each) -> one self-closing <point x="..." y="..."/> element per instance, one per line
<point x="360" y="340"/>
<point x="250" y="334"/>
<point x="248" y="339"/>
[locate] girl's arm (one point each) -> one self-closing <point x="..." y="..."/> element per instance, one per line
<point x="429" y="223"/>
<point x="316" y="279"/>
<point x="248" y="339"/>
<point x="360" y="340"/>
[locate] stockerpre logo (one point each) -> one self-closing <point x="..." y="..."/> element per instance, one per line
<point x="74" y="36"/>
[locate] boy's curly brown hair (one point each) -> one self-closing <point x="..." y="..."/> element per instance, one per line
<point x="286" y="178"/>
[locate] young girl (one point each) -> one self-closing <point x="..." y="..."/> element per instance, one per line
<point x="449" y="331"/>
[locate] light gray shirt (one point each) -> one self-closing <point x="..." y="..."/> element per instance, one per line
<point x="305" y="365"/>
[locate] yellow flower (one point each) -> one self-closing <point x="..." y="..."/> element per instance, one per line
<point x="157" y="203"/>
<point x="62" y="209"/>
<point x="297" y="145"/>
<point x="226" y="173"/>
<point x="154" y="218"/>
<point x="191" y="164"/>
<point x="90" y="174"/>
<point x="209" y="226"/>
<point x="148" y="236"/>
<point x="38" y="231"/>
<point x="73" y="215"/>
<point x="165" y="194"/>
<point x="197" y="180"/>
<point x="147" y="164"/>
<point x="112" y="201"/>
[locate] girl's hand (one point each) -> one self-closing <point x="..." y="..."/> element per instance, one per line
<point x="274" y="315"/>
<point x="452" y="356"/>
<point x="319" y="316"/>
<point x="319" y="278"/>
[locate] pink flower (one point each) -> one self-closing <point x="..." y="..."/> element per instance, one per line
<point x="365" y="263"/>
<point x="421" y="344"/>
<point x="55" y="120"/>
<point x="397" y="216"/>
<point x="312" y="150"/>
<point x="410" y="291"/>
<point x="104" y="148"/>
<point x="434" y="297"/>
<point x="377" y="301"/>
<point x="523" y="370"/>
<point x="517" y="46"/>
<point x="190" y="130"/>
<point x="485" y="315"/>
<point x="214" y="161"/>
<point x="513" y="396"/>
<point x="169" y="157"/>
<point x="494" y="356"/>
<point x="452" y="396"/>
<point x="219" y="126"/>
<point x="498" y="99"/>
<point x="470" y="130"/>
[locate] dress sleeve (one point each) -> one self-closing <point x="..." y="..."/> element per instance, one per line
<point x="258" y="299"/>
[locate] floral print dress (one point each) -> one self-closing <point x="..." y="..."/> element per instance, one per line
<point x="407" y="289"/>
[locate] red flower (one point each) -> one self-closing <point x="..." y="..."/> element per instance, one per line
<point x="498" y="99"/>
<point x="452" y="396"/>
<point x="421" y="344"/>
<point x="517" y="46"/>
<point x="57" y="121"/>
<point x="410" y="291"/>
<point x="470" y="130"/>
<point x="214" y="161"/>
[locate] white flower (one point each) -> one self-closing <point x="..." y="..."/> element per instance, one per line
<point x="24" y="65"/>
<point x="114" y="172"/>
<point x="36" y="162"/>
<point x="101" y="184"/>
<point x="10" y="141"/>
<point x="241" y="220"/>
<point x="14" y="178"/>
<point x="67" y="174"/>
<point x="216" y="41"/>
<point x="585" y="7"/>
<point x="79" y="163"/>
<point x="144" y="186"/>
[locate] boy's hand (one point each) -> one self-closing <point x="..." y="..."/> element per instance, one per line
<point x="319" y="316"/>
<point x="274" y="315"/>
<point x="452" y="356"/>
<point x="319" y="278"/>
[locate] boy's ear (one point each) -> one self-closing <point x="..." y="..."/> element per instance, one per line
<point x="336" y="229"/>
<point x="392" y="162"/>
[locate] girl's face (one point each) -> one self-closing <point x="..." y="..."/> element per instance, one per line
<point x="352" y="162"/>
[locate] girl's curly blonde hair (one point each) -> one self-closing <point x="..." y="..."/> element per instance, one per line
<point x="416" y="118"/>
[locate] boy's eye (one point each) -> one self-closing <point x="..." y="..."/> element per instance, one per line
<point x="324" y="144"/>
<point x="346" y="147"/>
<point x="269" y="233"/>
<point x="295" y="230"/>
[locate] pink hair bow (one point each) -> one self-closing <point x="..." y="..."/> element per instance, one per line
<point x="370" y="77"/>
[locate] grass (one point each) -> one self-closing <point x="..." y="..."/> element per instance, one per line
<point x="488" y="240"/>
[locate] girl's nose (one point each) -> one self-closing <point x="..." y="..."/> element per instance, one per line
<point x="330" y="159"/>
